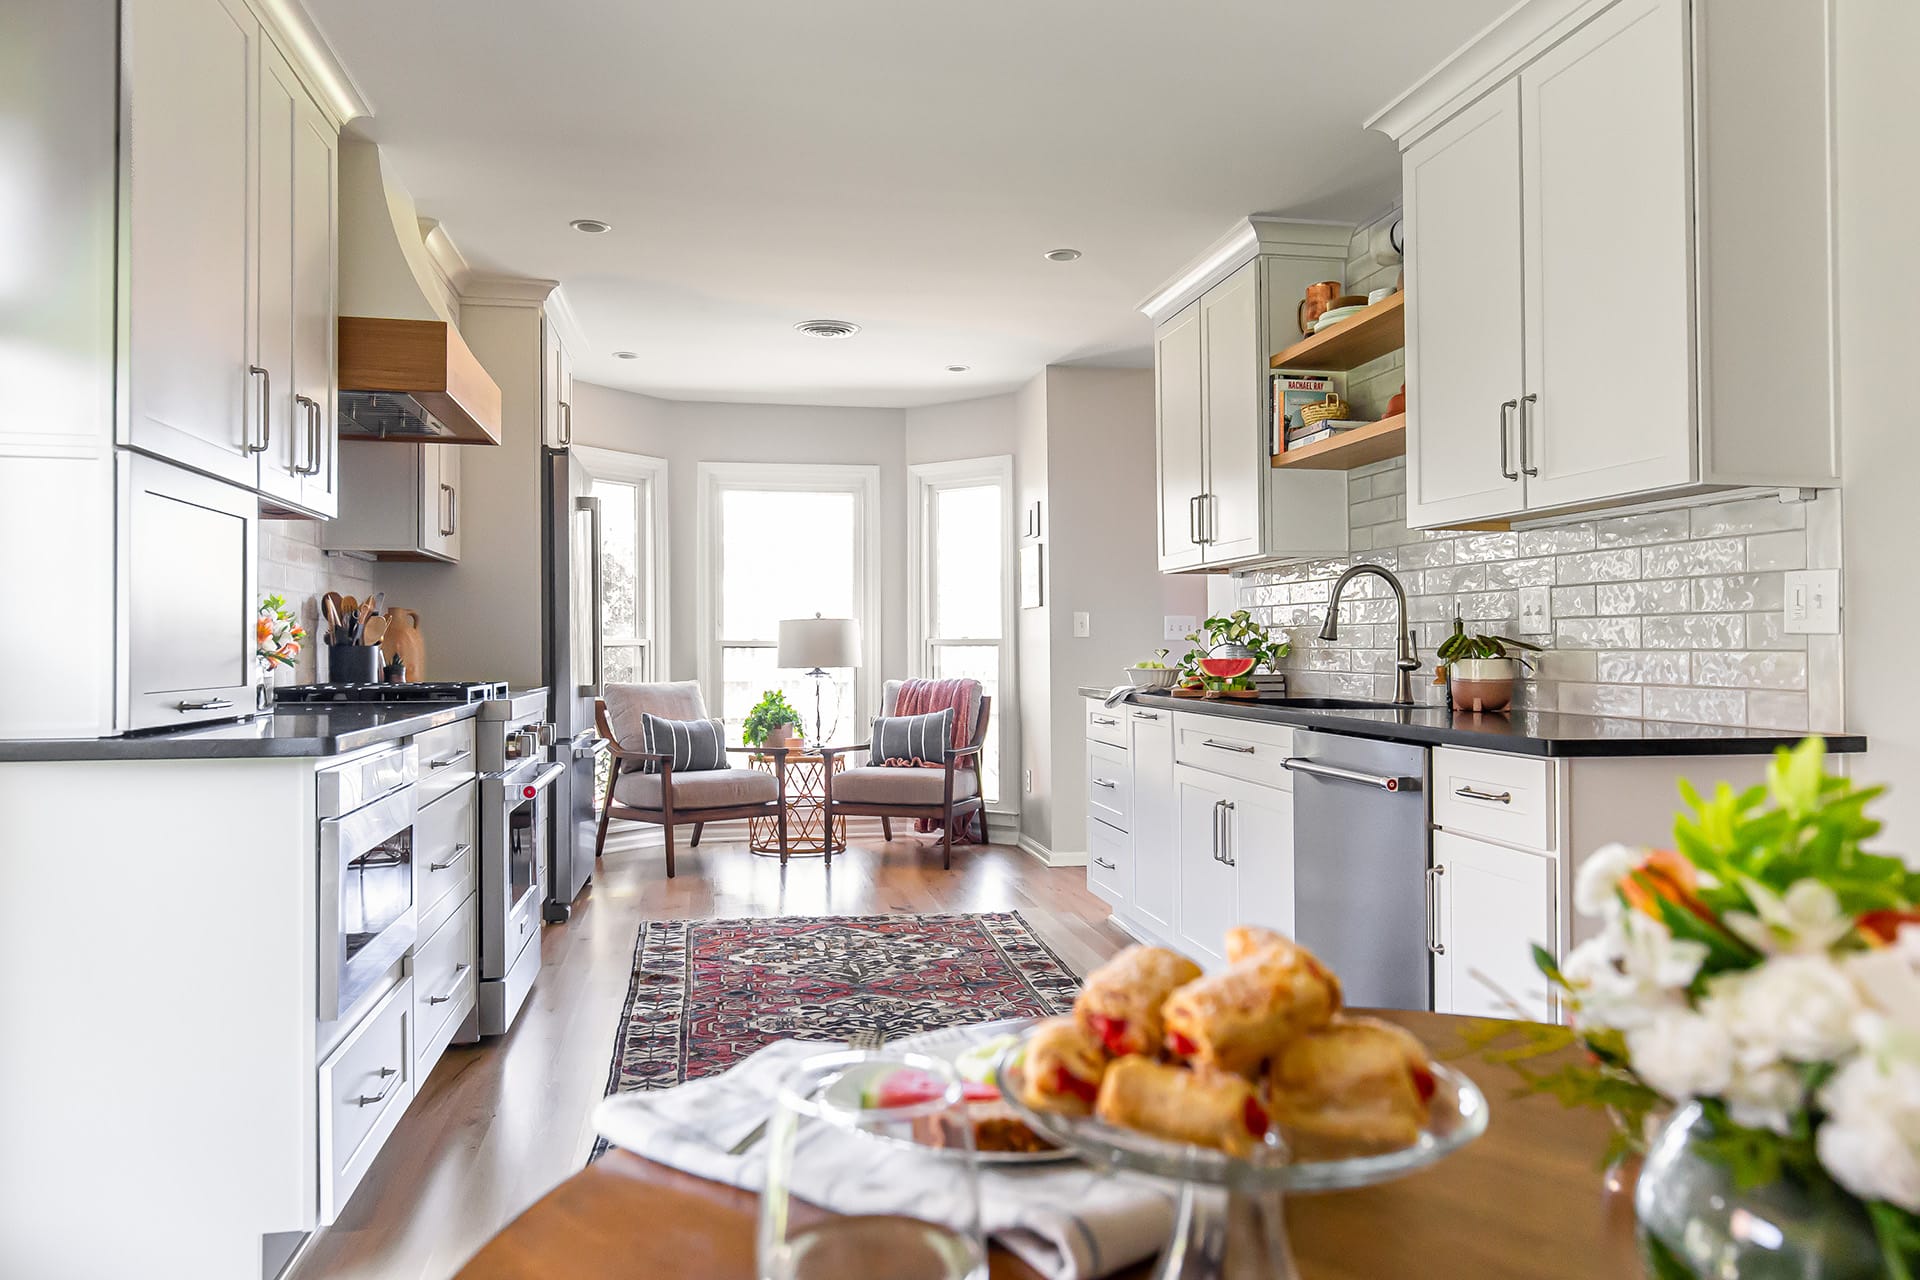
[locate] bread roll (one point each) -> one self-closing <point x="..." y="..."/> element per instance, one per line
<point x="1244" y="940"/>
<point x="1120" y="1004"/>
<point x="1205" y="1108"/>
<point x="1237" y="1019"/>
<point x="1063" y="1068"/>
<point x="1356" y="1085"/>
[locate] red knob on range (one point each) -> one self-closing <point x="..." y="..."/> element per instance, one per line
<point x="529" y="792"/>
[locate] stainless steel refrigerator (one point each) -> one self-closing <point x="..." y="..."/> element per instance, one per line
<point x="570" y="594"/>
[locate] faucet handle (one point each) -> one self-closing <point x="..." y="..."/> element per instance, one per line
<point x="1411" y="659"/>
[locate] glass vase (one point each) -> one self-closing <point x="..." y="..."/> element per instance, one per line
<point x="1695" y="1223"/>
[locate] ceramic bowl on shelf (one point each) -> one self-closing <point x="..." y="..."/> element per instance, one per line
<point x="1335" y="316"/>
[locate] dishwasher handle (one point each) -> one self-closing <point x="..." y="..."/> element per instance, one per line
<point x="1384" y="782"/>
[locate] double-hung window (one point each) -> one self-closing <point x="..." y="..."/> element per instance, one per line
<point x="960" y="555"/>
<point x="631" y="489"/>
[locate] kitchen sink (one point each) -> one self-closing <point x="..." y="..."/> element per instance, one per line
<point x="1333" y="704"/>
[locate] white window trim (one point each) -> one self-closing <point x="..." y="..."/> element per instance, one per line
<point x="644" y="468"/>
<point x="923" y="477"/>
<point x="860" y="479"/>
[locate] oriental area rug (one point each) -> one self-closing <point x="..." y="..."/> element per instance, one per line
<point x="707" y="993"/>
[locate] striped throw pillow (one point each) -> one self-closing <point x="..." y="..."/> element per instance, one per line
<point x="695" y="745"/>
<point x="911" y="740"/>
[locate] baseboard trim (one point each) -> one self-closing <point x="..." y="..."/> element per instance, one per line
<point x="1051" y="857"/>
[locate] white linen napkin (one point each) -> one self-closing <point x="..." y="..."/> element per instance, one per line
<point x="1065" y="1220"/>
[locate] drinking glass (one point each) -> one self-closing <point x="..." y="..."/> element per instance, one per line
<point x="901" y="1176"/>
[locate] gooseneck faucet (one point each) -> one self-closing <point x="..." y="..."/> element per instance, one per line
<point x="1408" y="661"/>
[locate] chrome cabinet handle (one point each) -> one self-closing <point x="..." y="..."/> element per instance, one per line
<point x="265" y="407"/>
<point x="1219" y="830"/>
<point x="453" y="859"/>
<point x="1434" y="944"/>
<point x="449" y="761"/>
<point x="1298" y="764"/>
<point x="1471" y="793"/>
<point x="1108" y="783"/>
<point x="1193" y="519"/>
<point x="1209" y="530"/>
<point x="459" y="976"/>
<point x="1506" y="426"/>
<point x="1146" y="715"/>
<point x="446" y="511"/>
<point x="1228" y="809"/>
<point x="211" y="704"/>
<point x="1526" y="431"/>
<point x="310" y="410"/>
<point x="566" y="425"/>
<point x="1106" y="720"/>
<point x="392" y="1076"/>
<point x="1099" y="861"/>
<point x="1228" y="746"/>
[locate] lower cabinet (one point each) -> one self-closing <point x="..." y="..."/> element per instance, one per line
<point x="1235" y="859"/>
<point x="1155" y="822"/>
<point x="1488" y="905"/>
<point x="365" y="1086"/>
<point x="446" y="983"/>
<point x="1108" y="862"/>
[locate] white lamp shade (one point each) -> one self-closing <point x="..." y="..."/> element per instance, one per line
<point x="819" y="642"/>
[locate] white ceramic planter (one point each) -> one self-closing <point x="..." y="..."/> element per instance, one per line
<point x="1482" y="684"/>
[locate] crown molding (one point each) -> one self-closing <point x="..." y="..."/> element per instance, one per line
<point x="448" y="261"/>
<point x="561" y="315"/>
<point x="293" y="29"/>
<point x="507" y="291"/>
<point x="1249" y="238"/>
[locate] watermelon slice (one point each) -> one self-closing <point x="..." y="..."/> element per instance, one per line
<point x="909" y="1088"/>
<point x="1226" y="668"/>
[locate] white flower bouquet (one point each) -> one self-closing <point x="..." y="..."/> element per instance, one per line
<point x="1767" y="968"/>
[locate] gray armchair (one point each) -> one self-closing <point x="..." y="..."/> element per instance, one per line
<point x="888" y="792"/>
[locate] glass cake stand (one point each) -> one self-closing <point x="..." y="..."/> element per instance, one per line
<point x="1230" y="1223"/>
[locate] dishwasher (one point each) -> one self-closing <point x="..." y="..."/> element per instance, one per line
<point x="1360" y="853"/>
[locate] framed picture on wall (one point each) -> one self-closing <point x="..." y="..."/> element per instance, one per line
<point x="1031" y="592"/>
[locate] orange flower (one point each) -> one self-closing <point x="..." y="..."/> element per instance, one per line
<point x="1664" y="874"/>
<point x="1881" y="928"/>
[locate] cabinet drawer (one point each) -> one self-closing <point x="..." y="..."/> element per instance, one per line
<point x="446" y="982"/>
<point x="1109" y="784"/>
<point x="1505" y="798"/>
<point x="364" y="1086"/>
<point x="1108" y="852"/>
<point x="1250" y="750"/>
<point x="1106" y="724"/>
<point x="446" y="759"/>
<point x="443" y="850"/>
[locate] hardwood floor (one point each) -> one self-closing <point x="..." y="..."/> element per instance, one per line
<point x="498" y="1124"/>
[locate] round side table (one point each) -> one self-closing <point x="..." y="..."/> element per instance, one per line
<point x="806" y="803"/>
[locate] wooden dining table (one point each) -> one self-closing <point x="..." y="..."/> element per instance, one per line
<point x="1529" y="1199"/>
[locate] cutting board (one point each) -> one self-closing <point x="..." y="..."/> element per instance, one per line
<point x="403" y="641"/>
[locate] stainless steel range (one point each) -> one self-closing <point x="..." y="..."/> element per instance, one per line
<point x="517" y="775"/>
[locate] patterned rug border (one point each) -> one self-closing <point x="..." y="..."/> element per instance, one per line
<point x="659" y="953"/>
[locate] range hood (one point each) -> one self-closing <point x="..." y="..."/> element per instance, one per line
<point x="405" y="374"/>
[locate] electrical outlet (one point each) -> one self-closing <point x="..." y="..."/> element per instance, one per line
<point x="1813" y="602"/>
<point x="1535" y="619"/>
<point x="1082" y="625"/>
<point x="1176" y="626"/>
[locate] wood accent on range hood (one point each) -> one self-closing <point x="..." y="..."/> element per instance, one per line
<point x="426" y="360"/>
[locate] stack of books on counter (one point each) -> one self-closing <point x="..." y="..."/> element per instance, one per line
<point x="1299" y="437"/>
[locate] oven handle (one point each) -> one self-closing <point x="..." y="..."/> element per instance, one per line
<point x="542" y="780"/>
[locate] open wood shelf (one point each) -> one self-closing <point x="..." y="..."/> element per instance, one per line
<point x="1384" y="439"/>
<point x="1365" y="336"/>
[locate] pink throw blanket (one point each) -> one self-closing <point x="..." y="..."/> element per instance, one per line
<point x="930" y="697"/>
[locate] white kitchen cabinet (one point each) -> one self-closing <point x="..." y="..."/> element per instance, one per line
<point x="398" y="502"/>
<point x="1109" y="863"/>
<point x="1488" y="906"/>
<point x="557" y="391"/>
<point x="1155" y="822"/>
<point x="1233" y="400"/>
<point x="440" y="500"/>
<point x="1180" y="439"/>
<point x="1587" y="323"/>
<point x="1208" y="887"/>
<point x="1259" y="840"/>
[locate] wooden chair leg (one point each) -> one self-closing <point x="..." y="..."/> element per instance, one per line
<point x="886" y="829"/>
<point x="782" y="820"/>
<point x="667" y="827"/>
<point x="698" y="827"/>
<point x="606" y="811"/>
<point x="946" y="839"/>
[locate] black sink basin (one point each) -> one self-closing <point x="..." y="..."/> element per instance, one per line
<point x="1333" y="704"/>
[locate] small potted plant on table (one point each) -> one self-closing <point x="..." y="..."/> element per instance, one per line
<point x="773" y="723"/>
<point x="1480" y="670"/>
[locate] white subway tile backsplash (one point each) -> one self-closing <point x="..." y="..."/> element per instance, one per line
<point x="1769" y="710"/>
<point x="1473" y="547"/>
<point x="1601" y="700"/>
<point x="1756" y="515"/>
<point x="1745" y="591"/>
<point x="1644" y="667"/>
<point x="1684" y="559"/>
<point x="1670" y="596"/>
<point x="1635" y="531"/>
<point x="1597" y="633"/>
<point x="1773" y="670"/>
<point x="1694" y="631"/>
<point x="1697" y="706"/>
<point x="1598" y="566"/>
<point x="1573" y="602"/>
<point x="1784" y="550"/>
<point x="1547" y="542"/>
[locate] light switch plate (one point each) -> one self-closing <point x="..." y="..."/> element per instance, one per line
<point x="1535" y="620"/>
<point x="1813" y="602"/>
<point x="1082" y="624"/>
<point x="1176" y="626"/>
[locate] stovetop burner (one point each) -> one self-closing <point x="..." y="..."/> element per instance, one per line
<point x="457" y="691"/>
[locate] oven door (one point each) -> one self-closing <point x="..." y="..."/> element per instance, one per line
<point x="367" y="916"/>
<point x="513" y="881"/>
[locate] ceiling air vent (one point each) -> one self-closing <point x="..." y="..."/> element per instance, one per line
<point x="828" y="328"/>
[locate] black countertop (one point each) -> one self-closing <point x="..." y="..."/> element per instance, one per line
<point x="1527" y="733"/>
<point x="296" y="731"/>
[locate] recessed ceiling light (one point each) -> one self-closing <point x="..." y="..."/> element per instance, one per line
<point x="958" y="368"/>
<point x="828" y="328"/>
<point x="592" y="226"/>
<point x="626" y="355"/>
<point x="1062" y="255"/>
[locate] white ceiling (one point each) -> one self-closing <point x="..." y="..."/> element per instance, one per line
<point x="897" y="163"/>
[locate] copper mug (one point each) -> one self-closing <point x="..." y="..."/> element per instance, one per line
<point x="1314" y="305"/>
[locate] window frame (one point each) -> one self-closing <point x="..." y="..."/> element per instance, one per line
<point x="862" y="480"/>
<point x="649" y="472"/>
<point x="925" y="479"/>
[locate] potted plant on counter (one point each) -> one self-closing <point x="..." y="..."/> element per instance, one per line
<point x="1223" y="644"/>
<point x="1480" y="670"/>
<point x="773" y="723"/>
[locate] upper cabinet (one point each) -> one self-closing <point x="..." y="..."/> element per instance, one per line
<point x="229" y="280"/>
<point x="1586" y="320"/>
<point x="1220" y="502"/>
<point x="557" y="389"/>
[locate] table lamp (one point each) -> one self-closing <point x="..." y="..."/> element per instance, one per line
<point x="819" y="643"/>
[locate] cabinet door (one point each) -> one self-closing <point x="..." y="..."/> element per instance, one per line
<point x="1181" y="441"/>
<point x="440" y="500"/>
<point x="1608" y="218"/>
<point x="190" y="67"/>
<point x="315" y="295"/>
<point x="1464" y="298"/>
<point x="556" y="391"/>
<point x="1206" y="900"/>
<point x="1490" y="905"/>
<point x="1235" y="397"/>
<point x="1259" y="837"/>
<point x="283" y="425"/>
<point x="1156" y="821"/>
